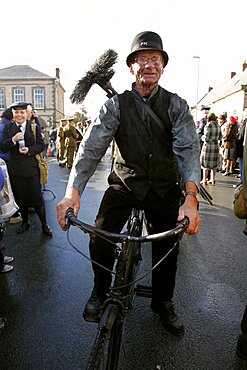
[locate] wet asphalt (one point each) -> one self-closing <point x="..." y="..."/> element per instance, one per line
<point x="42" y="299"/>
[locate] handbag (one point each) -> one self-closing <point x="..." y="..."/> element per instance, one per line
<point x="239" y="207"/>
<point x="42" y="163"/>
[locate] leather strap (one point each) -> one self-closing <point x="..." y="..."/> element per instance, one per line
<point x="149" y="111"/>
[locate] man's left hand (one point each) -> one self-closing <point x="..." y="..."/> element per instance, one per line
<point x="190" y="209"/>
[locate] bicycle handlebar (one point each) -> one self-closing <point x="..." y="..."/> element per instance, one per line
<point x="86" y="228"/>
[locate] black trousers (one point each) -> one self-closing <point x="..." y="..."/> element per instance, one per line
<point x="161" y="213"/>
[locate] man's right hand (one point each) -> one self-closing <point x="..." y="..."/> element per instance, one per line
<point x="71" y="200"/>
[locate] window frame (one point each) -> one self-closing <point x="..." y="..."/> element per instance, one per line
<point x="18" y="97"/>
<point x="38" y="97"/>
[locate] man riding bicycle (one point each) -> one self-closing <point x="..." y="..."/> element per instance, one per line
<point x="154" y="157"/>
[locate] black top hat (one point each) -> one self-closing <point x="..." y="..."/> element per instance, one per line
<point x="19" y="105"/>
<point x="147" y="40"/>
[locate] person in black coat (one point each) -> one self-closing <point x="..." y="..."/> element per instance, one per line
<point x="19" y="141"/>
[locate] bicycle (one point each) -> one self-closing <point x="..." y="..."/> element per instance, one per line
<point x="106" y="349"/>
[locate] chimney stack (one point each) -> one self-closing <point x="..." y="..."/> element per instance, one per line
<point x="233" y="74"/>
<point x="244" y="65"/>
<point x="58" y="73"/>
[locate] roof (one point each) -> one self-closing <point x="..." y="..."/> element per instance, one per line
<point x="19" y="72"/>
<point x="227" y="88"/>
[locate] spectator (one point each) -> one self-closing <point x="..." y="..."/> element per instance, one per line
<point x="200" y="130"/>
<point x="229" y="145"/>
<point x="53" y="139"/>
<point x="240" y="145"/>
<point x="46" y="139"/>
<point x="210" y="149"/>
<point x="4" y="260"/>
<point x="79" y="130"/>
<point x="7" y="117"/>
<point x="23" y="168"/>
<point x="223" y="124"/>
<point x="70" y="135"/>
<point x="61" y="142"/>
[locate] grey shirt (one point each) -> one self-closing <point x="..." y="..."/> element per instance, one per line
<point x="100" y="134"/>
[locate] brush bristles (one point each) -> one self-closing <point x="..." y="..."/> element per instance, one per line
<point x="100" y="73"/>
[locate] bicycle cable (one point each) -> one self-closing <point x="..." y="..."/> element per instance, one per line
<point x="88" y="258"/>
<point x="149" y="271"/>
<point x="113" y="272"/>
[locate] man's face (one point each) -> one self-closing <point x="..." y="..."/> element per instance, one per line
<point x="20" y="115"/>
<point x="147" y="67"/>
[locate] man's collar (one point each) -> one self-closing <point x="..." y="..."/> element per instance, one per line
<point x="155" y="90"/>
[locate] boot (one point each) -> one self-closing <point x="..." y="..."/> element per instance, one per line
<point x="169" y="318"/>
<point x="93" y="307"/>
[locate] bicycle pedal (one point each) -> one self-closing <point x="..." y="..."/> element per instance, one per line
<point x="144" y="291"/>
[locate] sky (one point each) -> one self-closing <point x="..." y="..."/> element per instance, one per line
<point x="72" y="34"/>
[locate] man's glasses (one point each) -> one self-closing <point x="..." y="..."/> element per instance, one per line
<point x="156" y="61"/>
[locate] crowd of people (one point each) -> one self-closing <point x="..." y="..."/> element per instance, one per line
<point x="64" y="140"/>
<point x="221" y="141"/>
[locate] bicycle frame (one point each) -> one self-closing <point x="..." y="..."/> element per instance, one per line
<point x="128" y="256"/>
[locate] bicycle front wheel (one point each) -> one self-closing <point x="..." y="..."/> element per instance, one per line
<point x="106" y="348"/>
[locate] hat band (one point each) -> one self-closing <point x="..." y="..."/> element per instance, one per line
<point x="147" y="45"/>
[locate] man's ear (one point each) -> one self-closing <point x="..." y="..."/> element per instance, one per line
<point x="131" y="69"/>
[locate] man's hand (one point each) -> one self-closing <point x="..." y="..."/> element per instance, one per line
<point x="189" y="209"/>
<point x="71" y="200"/>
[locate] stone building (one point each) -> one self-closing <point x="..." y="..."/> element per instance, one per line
<point x="24" y="83"/>
<point x="230" y="97"/>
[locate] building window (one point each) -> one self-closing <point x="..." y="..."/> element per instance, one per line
<point x="18" y="95"/>
<point x="39" y="98"/>
<point x="2" y="99"/>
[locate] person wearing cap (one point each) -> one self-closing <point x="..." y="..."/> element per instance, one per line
<point x="152" y="157"/>
<point x="203" y="121"/>
<point x="70" y="135"/>
<point x="210" y="154"/>
<point x="19" y="141"/>
<point x="61" y="142"/>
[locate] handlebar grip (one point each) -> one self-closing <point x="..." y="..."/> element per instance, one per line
<point x="69" y="213"/>
<point x="185" y="222"/>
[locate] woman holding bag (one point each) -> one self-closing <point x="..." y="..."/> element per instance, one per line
<point x="18" y="139"/>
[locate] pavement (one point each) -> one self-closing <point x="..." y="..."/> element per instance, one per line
<point x="42" y="299"/>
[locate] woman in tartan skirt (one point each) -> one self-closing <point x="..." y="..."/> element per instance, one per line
<point x="210" y="149"/>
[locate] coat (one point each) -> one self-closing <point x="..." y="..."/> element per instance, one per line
<point x="23" y="168"/>
<point x="210" y="149"/>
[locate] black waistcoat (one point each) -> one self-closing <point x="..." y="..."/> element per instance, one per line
<point x="144" y="157"/>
